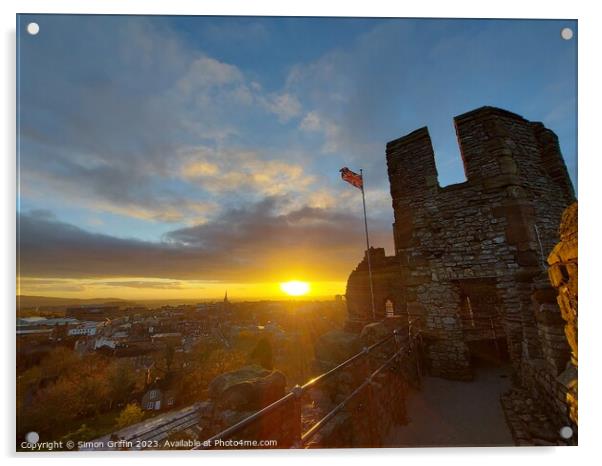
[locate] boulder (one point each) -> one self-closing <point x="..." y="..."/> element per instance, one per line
<point x="336" y="346"/>
<point x="249" y="388"/>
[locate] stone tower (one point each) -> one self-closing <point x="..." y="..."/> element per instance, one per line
<point x="466" y="255"/>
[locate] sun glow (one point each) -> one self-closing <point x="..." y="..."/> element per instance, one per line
<point x="295" y="288"/>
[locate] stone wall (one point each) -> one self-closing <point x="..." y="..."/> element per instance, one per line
<point x="389" y="285"/>
<point x="550" y="380"/>
<point x="546" y="403"/>
<point x="367" y="419"/>
<point x="563" y="276"/>
<point x="470" y="252"/>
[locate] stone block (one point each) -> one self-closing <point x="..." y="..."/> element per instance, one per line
<point x="507" y="165"/>
<point x="336" y="346"/>
<point x="557" y="277"/>
<point x="500" y="181"/>
<point x="249" y="388"/>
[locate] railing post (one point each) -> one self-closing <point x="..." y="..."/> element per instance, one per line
<point x="397" y="339"/>
<point x="419" y="357"/>
<point x="297" y="432"/>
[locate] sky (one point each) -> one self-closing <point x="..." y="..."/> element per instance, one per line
<point x="180" y="157"/>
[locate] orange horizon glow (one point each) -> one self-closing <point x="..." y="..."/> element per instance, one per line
<point x="132" y="288"/>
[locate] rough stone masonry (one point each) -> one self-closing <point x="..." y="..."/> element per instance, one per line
<point x="469" y="257"/>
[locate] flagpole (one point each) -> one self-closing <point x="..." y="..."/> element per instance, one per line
<point x="368" y="247"/>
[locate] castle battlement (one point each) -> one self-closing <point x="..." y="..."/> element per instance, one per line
<point x="494" y="143"/>
<point x="474" y="249"/>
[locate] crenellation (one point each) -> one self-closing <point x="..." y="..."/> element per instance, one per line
<point x="468" y="256"/>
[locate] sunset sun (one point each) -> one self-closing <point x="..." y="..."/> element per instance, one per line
<point x="295" y="288"/>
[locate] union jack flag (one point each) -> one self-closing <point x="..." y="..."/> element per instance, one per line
<point x="352" y="178"/>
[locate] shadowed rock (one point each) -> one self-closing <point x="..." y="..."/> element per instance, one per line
<point x="249" y="388"/>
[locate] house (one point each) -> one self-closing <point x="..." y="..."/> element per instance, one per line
<point x="156" y="398"/>
<point x="85" y="328"/>
<point x="104" y="341"/>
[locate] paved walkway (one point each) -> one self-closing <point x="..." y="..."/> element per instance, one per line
<point x="451" y="414"/>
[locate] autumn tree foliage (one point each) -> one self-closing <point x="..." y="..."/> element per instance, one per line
<point x="66" y="387"/>
<point x="131" y="414"/>
<point x="83" y="396"/>
<point x="206" y="363"/>
<point x="123" y="382"/>
<point x="67" y="390"/>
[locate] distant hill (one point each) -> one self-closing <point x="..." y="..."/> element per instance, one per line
<point x="30" y="305"/>
<point x="47" y="303"/>
<point x="28" y="302"/>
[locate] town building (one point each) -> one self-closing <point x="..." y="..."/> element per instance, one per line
<point x="84" y="329"/>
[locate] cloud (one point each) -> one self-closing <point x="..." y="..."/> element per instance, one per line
<point x="41" y="286"/>
<point x="224" y="146"/>
<point x="313" y="122"/>
<point x="227" y="170"/>
<point x="208" y="73"/>
<point x="108" y="134"/>
<point x="285" y="106"/>
<point x="398" y="75"/>
<point x="253" y="243"/>
<point x="157" y="285"/>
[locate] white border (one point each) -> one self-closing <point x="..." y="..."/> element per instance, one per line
<point x="589" y="193"/>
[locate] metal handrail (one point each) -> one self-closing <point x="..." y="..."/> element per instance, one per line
<point x="225" y="434"/>
<point x="487" y="317"/>
<point x="318" y="425"/>
<point x="348" y="362"/>
<point x="297" y="392"/>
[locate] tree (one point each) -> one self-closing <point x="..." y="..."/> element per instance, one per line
<point x="206" y="365"/>
<point x="51" y="408"/>
<point x="89" y="382"/>
<point x="92" y="391"/>
<point x="222" y="360"/>
<point x="166" y="359"/>
<point x="121" y="379"/>
<point x="28" y="382"/>
<point x="58" y="362"/>
<point x="262" y="354"/>
<point x="131" y="414"/>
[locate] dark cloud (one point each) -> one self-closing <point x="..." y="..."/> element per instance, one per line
<point x="145" y="284"/>
<point x="251" y="244"/>
<point x="97" y="132"/>
<point x="136" y="119"/>
<point x="37" y="285"/>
